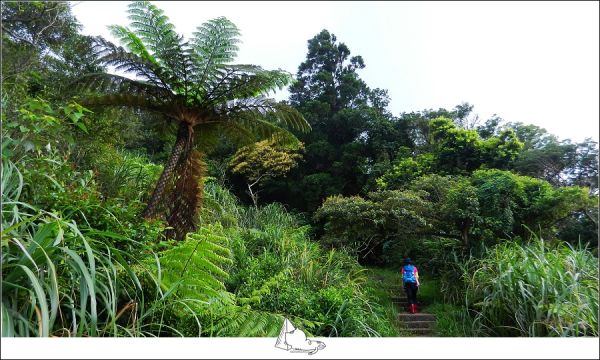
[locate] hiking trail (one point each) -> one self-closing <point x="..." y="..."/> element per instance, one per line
<point x="420" y="323"/>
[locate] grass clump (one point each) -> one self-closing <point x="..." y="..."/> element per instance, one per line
<point x="534" y="289"/>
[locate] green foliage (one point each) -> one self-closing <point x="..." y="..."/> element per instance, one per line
<point x="41" y="51"/>
<point x="514" y="202"/>
<point x="502" y="150"/>
<point x="263" y="161"/>
<point x="341" y="110"/>
<point x="365" y="226"/>
<point x="38" y="124"/>
<point x="558" y="162"/>
<point x="402" y="173"/>
<point x="451" y="321"/>
<point x="535" y="289"/>
<point x="462" y="151"/>
<point x="125" y="175"/>
<point x="434" y="215"/>
<point x="198" y="264"/>
<point x="278" y="270"/>
<point x="64" y="279"/>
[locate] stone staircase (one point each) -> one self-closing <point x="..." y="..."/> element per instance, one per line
<point x="419" y="324"/>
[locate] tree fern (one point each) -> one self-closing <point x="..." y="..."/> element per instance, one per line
<point x="194" y="85"/>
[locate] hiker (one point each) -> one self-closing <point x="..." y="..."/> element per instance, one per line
<point x="410" y="281"/>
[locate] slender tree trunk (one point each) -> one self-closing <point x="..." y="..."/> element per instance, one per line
<point x="178" y="147"/>
<point x="465" y="233"/>
<point x="253" y="196"/>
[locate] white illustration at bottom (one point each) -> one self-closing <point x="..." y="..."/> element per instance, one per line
<point x="294" y="340"/>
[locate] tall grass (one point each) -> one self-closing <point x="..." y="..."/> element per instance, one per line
<point x="59" y="279"/>
<point x="534" y="290"/>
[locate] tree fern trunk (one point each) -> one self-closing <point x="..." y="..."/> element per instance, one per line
<point x="187" y="196"/>
<point x="178" y="147"/>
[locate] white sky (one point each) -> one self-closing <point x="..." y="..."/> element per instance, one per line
<point x="534" y="62"/>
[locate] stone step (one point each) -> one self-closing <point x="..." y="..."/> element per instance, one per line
<point x="420" y="331"/>
<point x="418" y="324"/>
<point x="416" y="317"/>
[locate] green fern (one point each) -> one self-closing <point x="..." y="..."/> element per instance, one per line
<point x="197" y="264"/>
<point x="242" y="321"/>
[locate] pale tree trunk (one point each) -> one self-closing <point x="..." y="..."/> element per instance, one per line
<point x="254" y="194"/>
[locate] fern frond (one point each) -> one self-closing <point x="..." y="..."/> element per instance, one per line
<point x="261" y="108"/>
<point x="115" y="84"/>
<point x="123" y="60"/>
<point x="153" y="28"/>
<point x="214" y="44"/>
<point x="127" y="100"/>
<point x="241" y="83"/>
<point x="241" y="321"/>
<point x="198" y="263"/>
<point x="132" y="42"/>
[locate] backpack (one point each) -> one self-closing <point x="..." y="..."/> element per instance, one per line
<point x="409" y="274"/>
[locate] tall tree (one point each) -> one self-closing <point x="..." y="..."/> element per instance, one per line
<point x="342" y="150"/>
<point x="41" y="50"/>
<point x="199" y="93"/>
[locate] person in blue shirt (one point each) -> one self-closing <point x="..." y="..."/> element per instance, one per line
<point x="410" y="282"/>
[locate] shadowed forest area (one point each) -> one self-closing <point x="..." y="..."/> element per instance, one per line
<point x="152" y="187"/>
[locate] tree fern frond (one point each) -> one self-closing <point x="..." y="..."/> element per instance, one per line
<point x="114" y="84"/>
<point x="208" y="136"/>
<point x="286" y="115"/>
<point x="264" y="108"/>
<point x="246" y="84"/>
<point x="128" y="100"/>
<point x="113" y="55"/>
<point x="155" y="30"/>
<point x="132" y="42"/>
<point x="214" y="45"/>
<point x="264" y="129"/>
<point x="237" y="133"/>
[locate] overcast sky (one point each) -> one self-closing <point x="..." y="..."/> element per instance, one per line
<point x="534" y="62"/>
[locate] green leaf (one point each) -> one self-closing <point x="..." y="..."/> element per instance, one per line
<point x="40" y="298"/>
